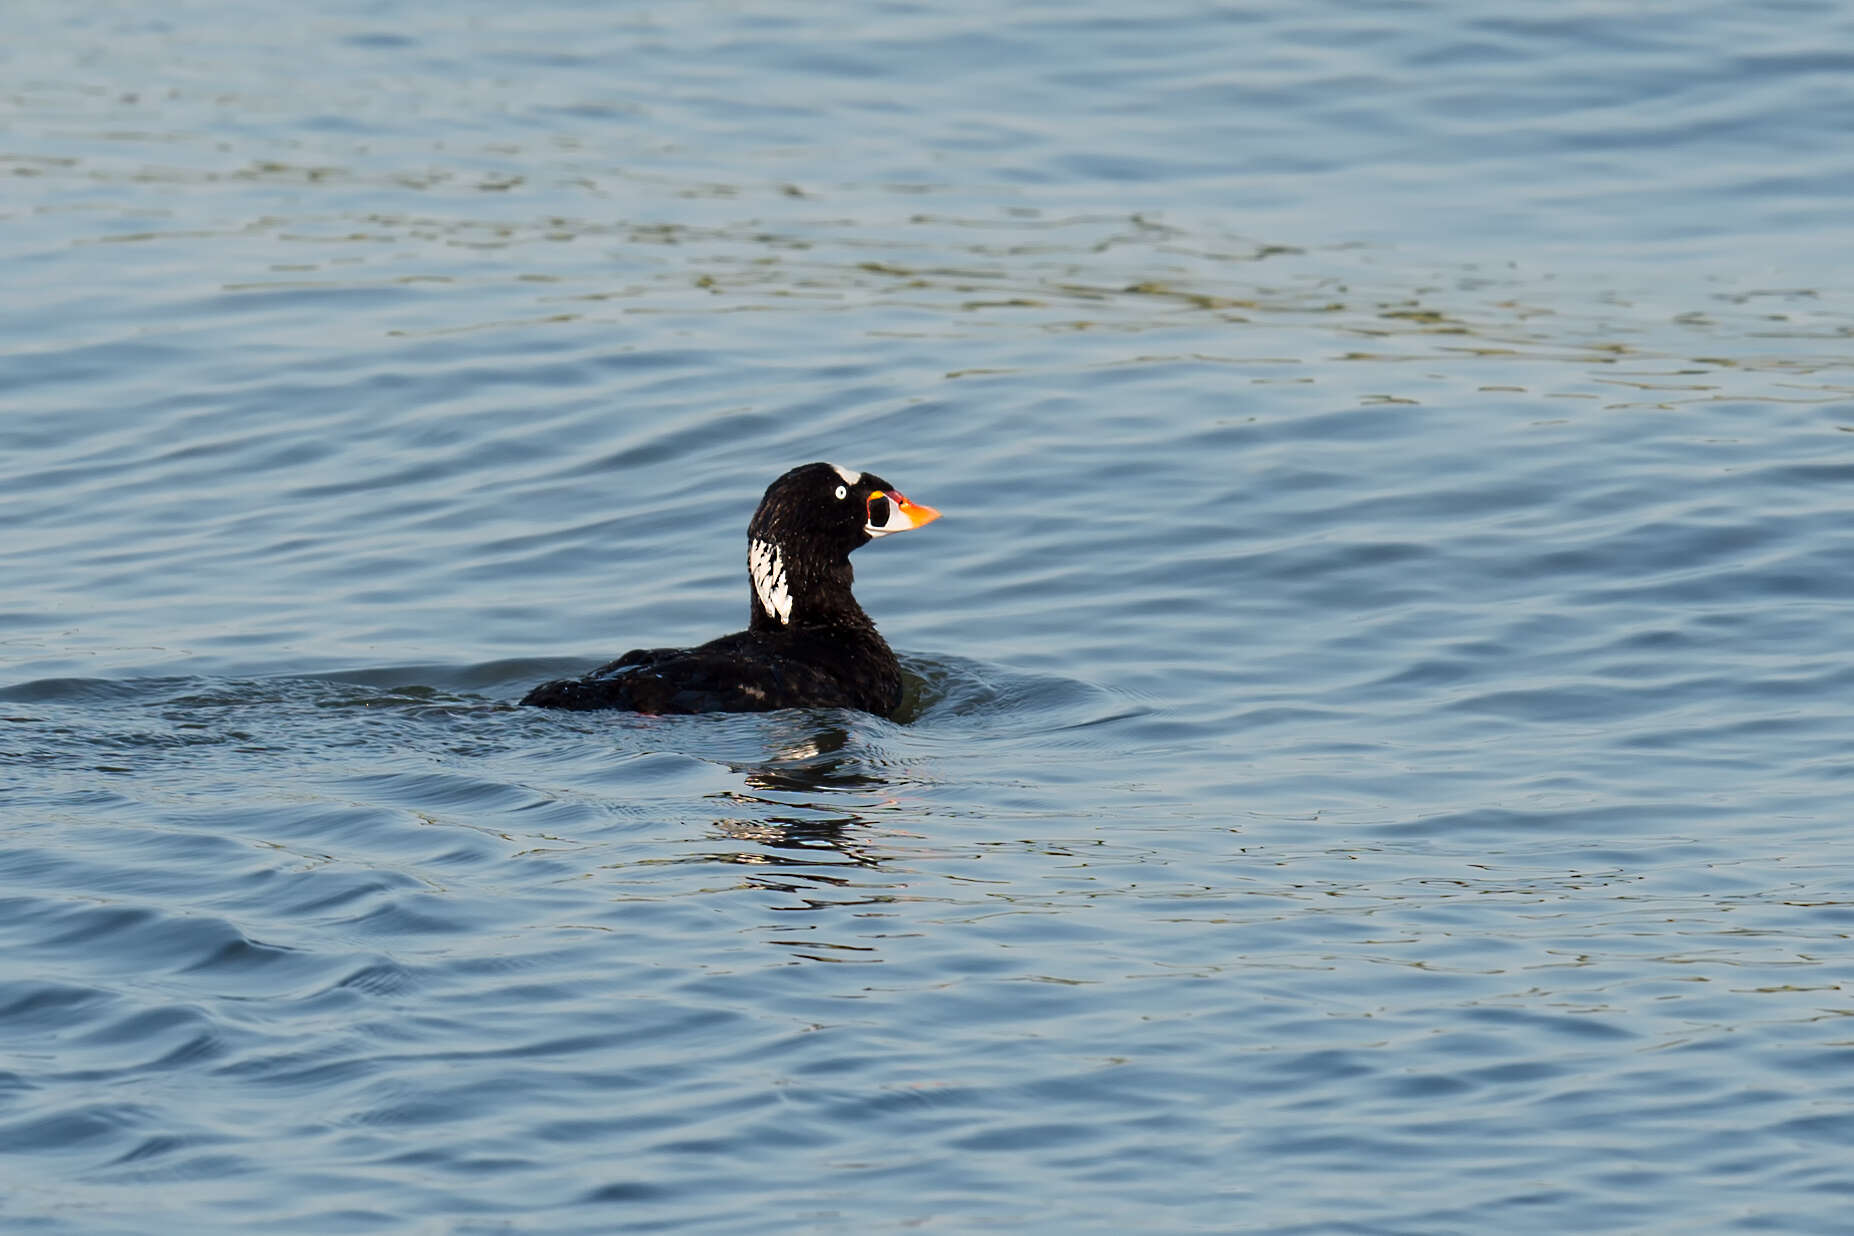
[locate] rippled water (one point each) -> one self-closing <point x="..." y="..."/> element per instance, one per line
<point x="1378" y="736"/>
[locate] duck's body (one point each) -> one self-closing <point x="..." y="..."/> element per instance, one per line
<point x="808" y="644"/>
<point x="748" y="671"/>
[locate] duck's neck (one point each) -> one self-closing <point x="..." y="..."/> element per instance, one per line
<point x="789" y="593"/>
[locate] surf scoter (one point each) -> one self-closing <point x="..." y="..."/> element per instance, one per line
<point x="808" y="645"/>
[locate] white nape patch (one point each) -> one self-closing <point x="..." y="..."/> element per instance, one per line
<point x="849" y="477"/>
<point x="768" y="572"/>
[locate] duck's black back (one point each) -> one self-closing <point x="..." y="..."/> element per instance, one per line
<point x="749" y="671"/>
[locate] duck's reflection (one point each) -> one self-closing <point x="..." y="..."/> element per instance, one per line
<point x="815" y="824"/>
<point x="812" y="760"/>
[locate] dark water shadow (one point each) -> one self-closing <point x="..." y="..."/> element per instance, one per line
<point x="954" y="693"/>
<point x="806" y="802"/>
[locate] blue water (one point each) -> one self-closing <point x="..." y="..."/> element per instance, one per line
<point x="1378" y="743"/>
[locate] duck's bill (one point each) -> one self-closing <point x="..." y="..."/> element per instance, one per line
<point x="890" y="512"/>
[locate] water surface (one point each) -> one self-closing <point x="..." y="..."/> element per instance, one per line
<point x="1377" y="747"/>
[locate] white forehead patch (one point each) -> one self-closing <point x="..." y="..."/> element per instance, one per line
<point x="849" y="477"/>
<point x="768" y="572"/>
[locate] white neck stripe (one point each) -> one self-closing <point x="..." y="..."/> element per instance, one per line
<point x="767" y="570"/>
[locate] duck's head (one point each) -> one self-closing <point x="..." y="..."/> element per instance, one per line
<point x="800" y="539"/>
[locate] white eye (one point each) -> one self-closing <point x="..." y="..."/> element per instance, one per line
<point x="842" y="492"/>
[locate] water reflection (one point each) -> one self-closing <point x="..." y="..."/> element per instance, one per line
<point x="814" y="792"/>
<point x="810" y="757"/>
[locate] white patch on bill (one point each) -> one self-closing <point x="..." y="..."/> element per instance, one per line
<point x="894" y="522"/>
<point x="767" y="569"/>
<point x="849" y="477"/>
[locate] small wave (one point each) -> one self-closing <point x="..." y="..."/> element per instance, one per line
<point x="86" y="690"/>
<point x="959" y="692"/>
